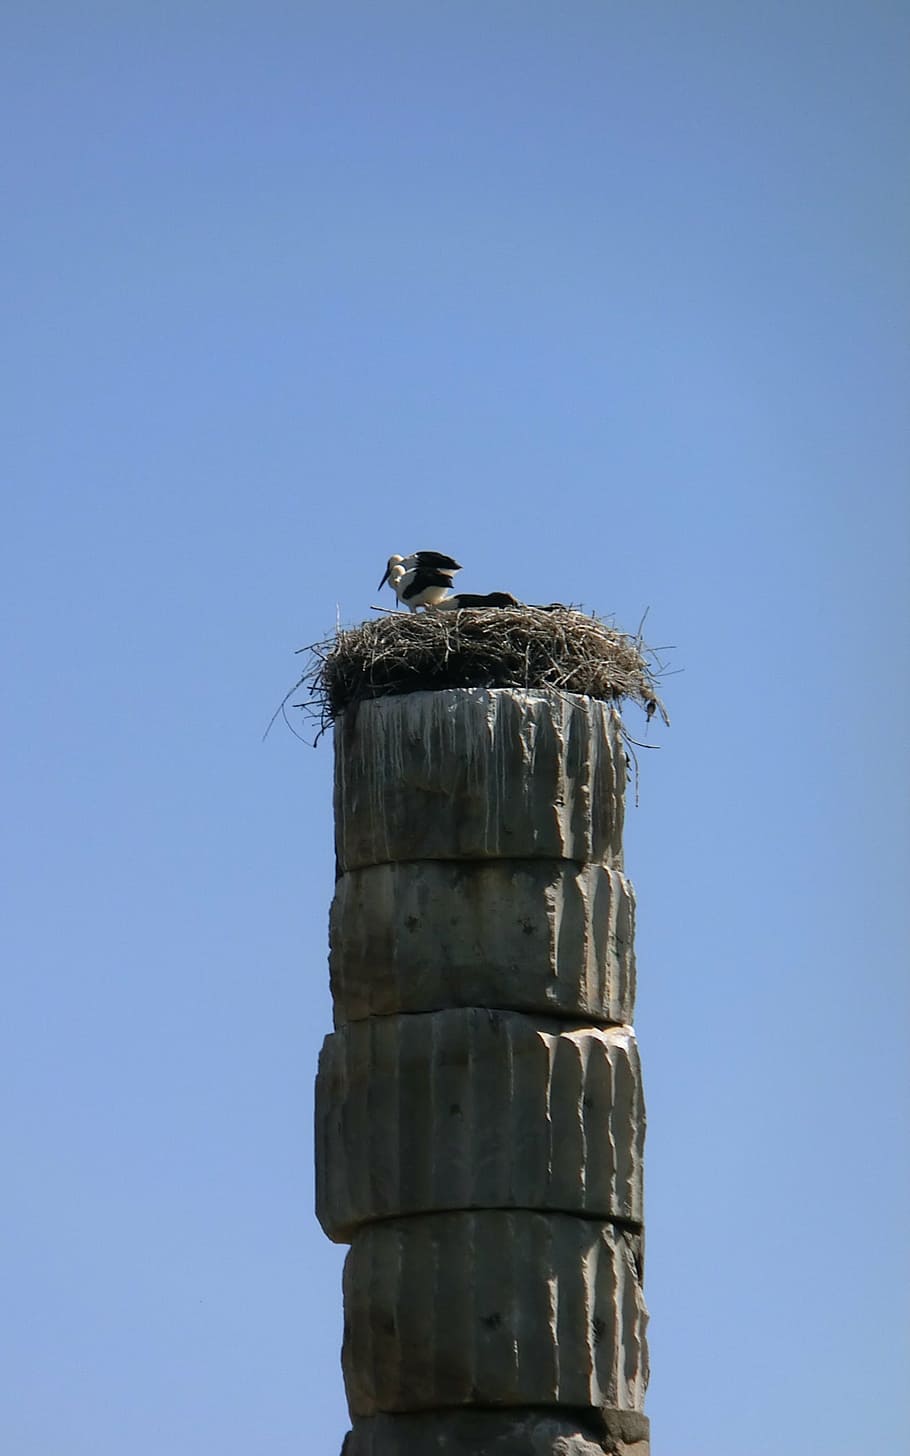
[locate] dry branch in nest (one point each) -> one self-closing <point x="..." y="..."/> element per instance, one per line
<point x="512" y="647"/>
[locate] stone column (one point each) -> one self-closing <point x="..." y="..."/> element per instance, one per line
<point x="479" y="1112"/>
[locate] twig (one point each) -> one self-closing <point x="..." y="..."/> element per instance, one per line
<point x="281" y="705"/>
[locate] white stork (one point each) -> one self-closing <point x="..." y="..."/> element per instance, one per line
<point x="423" y="579"/>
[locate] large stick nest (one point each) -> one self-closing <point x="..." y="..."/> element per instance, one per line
<point x="509" y="647"/>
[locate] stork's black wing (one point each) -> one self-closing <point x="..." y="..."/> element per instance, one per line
<point x="422" y="578"/>
<point x="435" y="561"/>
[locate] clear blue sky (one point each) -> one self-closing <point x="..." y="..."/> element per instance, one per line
<point x="611" y="301"/>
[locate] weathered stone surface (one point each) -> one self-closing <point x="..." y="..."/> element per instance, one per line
<point x="493" y="1309"/>
<point x="550" y="936"/>
<point x="475" y="773"/>
<point x="477" y="1109"/>
<point x="501" y="1433"/>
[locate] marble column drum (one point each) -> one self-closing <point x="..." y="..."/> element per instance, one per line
<point x="475" y="1109"/>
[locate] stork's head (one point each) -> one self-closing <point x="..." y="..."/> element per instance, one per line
<point x="392" y="565"/>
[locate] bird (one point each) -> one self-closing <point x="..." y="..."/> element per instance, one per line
<point x="418" y="588"/>
<point x="422" y="579"/>
<point x="476" y="599"/>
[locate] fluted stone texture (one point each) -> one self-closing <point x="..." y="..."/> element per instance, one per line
<point x="479" y="1110"/>
<point x="501" y="1433"/>
<point x="472" y="1109"/>
<point x="531" y="935"/>
<point x="493" y="1309"/>
<point x="479" y="773"/>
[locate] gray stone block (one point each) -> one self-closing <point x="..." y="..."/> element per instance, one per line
<point x="475" y="773"/>
<point x="550" y="936"/>
<point x="477" y="1109"/>
<point x="501" y="1433"/>
<point x="493" y="1309"/>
